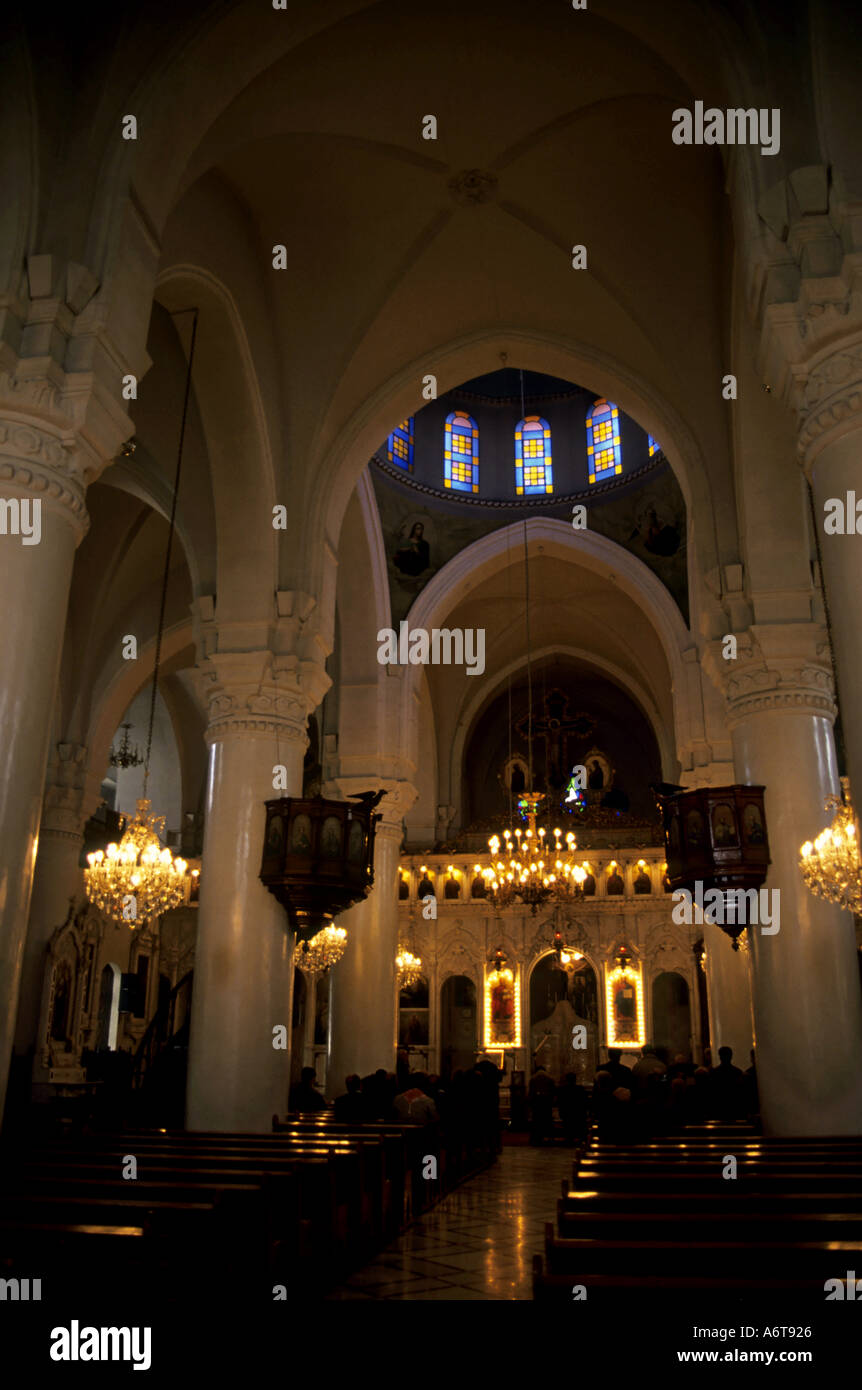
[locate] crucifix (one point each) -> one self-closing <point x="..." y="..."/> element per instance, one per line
<point x="556" y="726"/>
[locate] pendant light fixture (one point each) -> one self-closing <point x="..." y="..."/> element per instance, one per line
<point x="138" y="879"/>
<point x="530" y="867"/>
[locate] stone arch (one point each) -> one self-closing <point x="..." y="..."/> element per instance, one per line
<point x="348" y="453"/>
<point x="116" y="692"/>
<point x="590" y="550"/>
<point x="235" y="426"/>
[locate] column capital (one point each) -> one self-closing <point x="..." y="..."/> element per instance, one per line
<point x="63" y="802"/>
<point x="259" y="694"/>
<point x="38" y="463"/>
<point x="831" y="399"/>
<point x="805" y="291"/>
<point x="779" y="667"/>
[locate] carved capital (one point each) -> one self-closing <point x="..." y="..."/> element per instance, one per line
<point x="783" y="666"/>
<point x="38" y="464"/>
<point x="255" y="694"/>
<point x="808" y="689"/>
<point x="831" y="403"/>
<point x="62" y="805"/>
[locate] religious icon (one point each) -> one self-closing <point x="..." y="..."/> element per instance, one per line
<point x="330" y="838"/>
<point x="300" y="835"/>
<point x="752" y="825"/>
<point x="723" y="825"/>
<point x="658" y="537"/>
<point x="695" y="832"/>
<point x="355" y="842"/>
<point x="275" y="838"/>
<point x="414" y="556"/>
<point x="501" y="1004"/>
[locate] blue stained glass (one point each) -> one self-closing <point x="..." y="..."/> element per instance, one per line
<point x="654" y="448"/>
<point x="400" y="445"/>
<point x="604" y="455"/>
<point x="534" y="471"/>
<point x="461" y="452"/>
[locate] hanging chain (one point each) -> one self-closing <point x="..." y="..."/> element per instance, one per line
<point x="171" y="527"/>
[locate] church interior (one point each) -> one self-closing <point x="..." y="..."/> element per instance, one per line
<point x="430" y="658"/>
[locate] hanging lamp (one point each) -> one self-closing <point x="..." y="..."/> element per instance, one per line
<point x="528" y="866"/>
<point x="139" y="879"/>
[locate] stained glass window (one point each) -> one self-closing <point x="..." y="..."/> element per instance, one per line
<point x="604" y="456"/>
<point x="400" y="448"/>
<point x="654" y="448"/>
<point x="533" y="466"/>
<point x="461" y="452"/>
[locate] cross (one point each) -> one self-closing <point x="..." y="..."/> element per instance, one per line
<point x="555" y="725"/>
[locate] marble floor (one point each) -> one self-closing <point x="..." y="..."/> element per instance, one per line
<point x="479" y="1242"/>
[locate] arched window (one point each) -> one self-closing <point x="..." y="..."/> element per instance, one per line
<point x="604" y="455"/>
<point x="400" y="449"/>
<point x="461" y="452"/>
<point x="654" y="448"/>
<point x="533" y="466"/>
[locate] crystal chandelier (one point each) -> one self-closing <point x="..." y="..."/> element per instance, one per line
<point x="136" y="880"/>
<point x="409" y="968"/>
<point x="831" y="866"/>
<point x="315" y="957"/>
<point x="532" y="868"/>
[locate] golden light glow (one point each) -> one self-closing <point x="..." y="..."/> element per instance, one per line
<point x="513" y="978"/>
<point x="831" y="866"/>
<point x="409" y="968"/>
<point x="633" y="976"/>
<point x="136" y="880"/>
<point x="528" y="866"/>
<point x="325" y="949"/>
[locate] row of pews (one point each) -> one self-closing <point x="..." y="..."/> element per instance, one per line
<point x="297" y="1208"/>
<point x="660" y="1220"/>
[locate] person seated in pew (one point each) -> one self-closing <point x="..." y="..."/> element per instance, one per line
<point x="572" y="1104"/>
<point x="414" y="1106"/>
<point x="541" y="1096"/>
<point x="613" y="1110"/>
<point x="622" y="1075"/>
<point x="648" y="1064"/>
<point x="349" y="1108"/>
<point x="304" y="1096"/>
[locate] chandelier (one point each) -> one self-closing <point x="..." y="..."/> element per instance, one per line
<point x="409" y="968"/>
<point x="125" y="755"/>
<point x="831" y="866"/>
<point x="315" y="957"/>
<point x="531" y="867"/>
<point x="136" y="880"/>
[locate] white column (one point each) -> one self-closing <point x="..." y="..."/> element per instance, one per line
<point x="243" y="978"/>
<point x="364" y="1000"/>
<point x="807" y="1005"/>
<point x="58" y="879"/>
<point x="728" y="989"/>
<point x="34" y="593"/>
<point x="837" y="471"/>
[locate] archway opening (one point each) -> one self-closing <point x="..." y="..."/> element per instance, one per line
<point x="458" y="1031"/>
